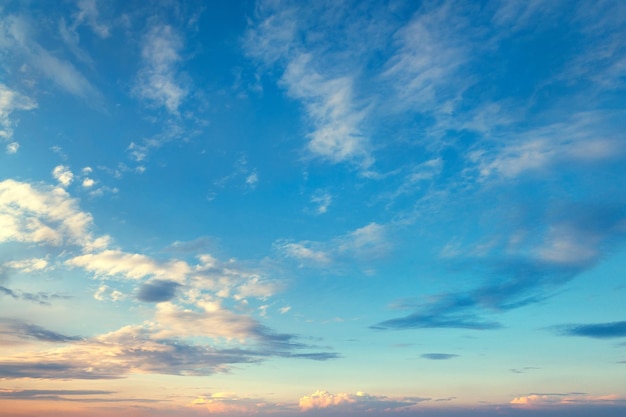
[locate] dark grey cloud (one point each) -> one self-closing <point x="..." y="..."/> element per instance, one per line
<point x="83" y="396"/>
<point x="137" y="350"/>
<point x="54" y="370"/>
<point x="157" y="291"/>
<point x="16" y="329"/>
<point x="40" y="394"/>
<point x="39" y="298"/>
<point x="438" y="356"/>
<point x="598" y="331"/>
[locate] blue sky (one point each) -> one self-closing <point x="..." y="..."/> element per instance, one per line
<point x="407" y="208"/>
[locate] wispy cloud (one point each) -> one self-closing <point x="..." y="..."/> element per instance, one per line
<point x="574" y="238"/>
<point x="158" y="81"/>
<point x="332" y="110"/>
<point x="16" y="330"/>
<point x="574" y="398"/>
<point x="11" y="101"/>
<point x="44" y="215"/>
<point x="430" y="50"/>
<point x="17" y="37"/>
<point x="367" y="242"/>
<point x="597" y="330"/>
<point x="130" y="265"/>
<point x="585" y="138"/>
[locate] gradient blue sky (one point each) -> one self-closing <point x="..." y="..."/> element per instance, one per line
<point x="313" y="208"/>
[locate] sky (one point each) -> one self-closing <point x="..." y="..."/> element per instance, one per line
<point x="326" y="208"/>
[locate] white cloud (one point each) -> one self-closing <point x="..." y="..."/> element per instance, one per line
<point x="322" y="200"/>
<point x="212" y="321"/>
<point x="539" y="400"/>
<point x="252" y="179"/>
<point x="326" y="94"/>
<point x="11" y="101"/>
<point x="130" y="265"/>
<point x="63" y="175"/>
<point x="12" y="148"/>
<point x="285" y="309"/>
<point x="360" y="401"/>
<point x="88" y="183"/>
<point x="365" y="243"/>
<point x="302" y="251"/>
<point x="44" y="215"/>
<point x="88" y="13"/>
<point x="585" y="138"/>
<point x="104" y="293"/>
<point x="15" y="36"/>
<point x="324" y="399"/>
<point x="431" y="49"/>
<point x="228" y="403"/>
<point x="158" y="78"/>
<point x="330" y="106"/>
<point x="28" y="265"/>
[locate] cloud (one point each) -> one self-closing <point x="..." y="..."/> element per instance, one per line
<point x="28" y="265"/>
<point x="12" y="148"/>
<point x="367" y="242"/>
<point x="42" y="298"/>
<point x="142" y="349"/>
<point x="228" y="403"/>
<point x="104" y="292"/>
<point x="16" y="35"/>
<point x="88" y="13"/>
<point x="302" y="251"/>
<point x="586" y="137"/>
<point x="438" y="356"/>
<point x="19" y="330"/>
<point x="11" y="101"/>
<point x="88" y="183"/>
<point x="357" y="402"/>
<point x="157" y="291"/>
<point x="49" y="394"/>
<point x="63" y="175"/>
<point x="210" y="320"/>
<point x="114" y="263"/>
<point x="330" y="106"/>
<point x="569" y="240"/>
<point x="430" y="51"/>
<point x="336" y="118"/>
<point x="574" y="398"/>
<point x="44" y="215"/>
<point x="597" y="331"/>
<point x="322" y="201"/>
<point x="158" y="80"/>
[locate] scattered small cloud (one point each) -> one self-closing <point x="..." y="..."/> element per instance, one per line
<point x="322" y="201"/>
<point x="438" y="356"/>
<point x="63" y="175"/>
<point x="12" y="148"/>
